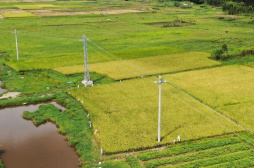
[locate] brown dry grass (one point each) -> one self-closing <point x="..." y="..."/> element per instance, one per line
<point x="12" y="11"/>
<point x="60" y="13"/>
<point x="228" y="16"/>
<point x="37" y="0"/>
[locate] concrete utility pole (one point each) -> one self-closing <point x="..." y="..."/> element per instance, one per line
<point x="17" y="49"/>
<point x="86" y="80"/>
<point x="159" y="115"/>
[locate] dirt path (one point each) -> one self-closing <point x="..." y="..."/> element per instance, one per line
<point x="60" y="13"/>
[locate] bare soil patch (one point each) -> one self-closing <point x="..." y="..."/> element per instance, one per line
<point x="228" y="16"/>
<point x="170" y="24"/>
<point x="1" y="17"/>
<point x="38" y="0"/>
<point x="61" y="13"/>
<point x="12" y="11"/>
<point x="10" y="94"/>
<point x="67" y="25"/>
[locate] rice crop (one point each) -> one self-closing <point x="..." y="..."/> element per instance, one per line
<point x="18" y="15"/>
<point x="37" y="6"/>
<point x="228" y="89"/>
<point x="125" y="115"/>
<point x="146" y="66"/>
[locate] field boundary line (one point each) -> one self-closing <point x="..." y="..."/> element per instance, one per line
<point x="192" y="152"/>
<point x="199" y="111"/>
<point x="210" y="158"/>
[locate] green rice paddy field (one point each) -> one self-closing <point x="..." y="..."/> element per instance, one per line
<point x="208" y="103"/>
<point x="127" y="112"/>
<point x="228" y="89"/>
<point x="226" y="151"/>
<point x="48" y="41"/>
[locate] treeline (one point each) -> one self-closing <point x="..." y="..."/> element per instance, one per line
<point x="194" y="1"/>
<point x="233" y="7"/>
<point x="223" y="2"/>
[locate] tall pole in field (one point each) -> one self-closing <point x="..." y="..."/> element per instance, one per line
<point x="17" y="49"/>
<point x="87" y="75"/>
<point x="86" y="80"/>
<point x="159" y="113"/>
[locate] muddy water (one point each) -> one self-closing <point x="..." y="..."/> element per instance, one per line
<point x="24" y="145"/>
<point x="1" y="90"/>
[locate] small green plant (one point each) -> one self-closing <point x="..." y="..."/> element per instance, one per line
<point x="133" y="162"/>
<point x="220" y="54"/>
<point x="224" y="48"/>
<point x="1" y="164"/>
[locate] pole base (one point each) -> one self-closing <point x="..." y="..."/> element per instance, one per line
<point x="87" y="82"/>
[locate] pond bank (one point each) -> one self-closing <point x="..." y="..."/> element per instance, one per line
<point x="25" y="145"/>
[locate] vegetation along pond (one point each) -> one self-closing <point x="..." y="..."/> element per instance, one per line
<point x="24" y="145"/>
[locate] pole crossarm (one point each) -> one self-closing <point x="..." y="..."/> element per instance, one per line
<point x="159" y="113"/>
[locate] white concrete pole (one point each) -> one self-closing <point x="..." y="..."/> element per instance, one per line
<point x="17" y="49"/>
<point x="159" y="113"/>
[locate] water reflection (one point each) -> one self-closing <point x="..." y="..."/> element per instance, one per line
<point x="28" y="146"/>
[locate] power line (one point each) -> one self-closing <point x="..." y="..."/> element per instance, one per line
<point x="210" y="108"/>
<point x="120" y="59"/>
<point x="141" y="69"/>
<point x="218" y="123"/>
<point x="199" y="111"/>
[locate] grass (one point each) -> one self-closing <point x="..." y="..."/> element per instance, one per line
<point x="198" y="155"/>
<point x="133" y="162"/>
<point x="178" y="150"/>
<point x="1" y="164"/>
<point x="50" y="42"/>
<point x="250" y="64"/>
<point x="219" y="151"/>
<point x="146" y="66"/>
<point x="109" y="164"/>
<point x="34" y="82"/>
<point x="18" y="15"/>
<point x="125" y="113"/>
<point x="228" y="89"/>
<point x="220" y="159"/>
<point x="38" y="6"/>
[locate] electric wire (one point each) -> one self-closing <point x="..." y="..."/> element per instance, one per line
<point x="131" y="71"/>
<point x="120" y="59"/>
<point x="168" y="91"/>
<point x="197" y="110"/>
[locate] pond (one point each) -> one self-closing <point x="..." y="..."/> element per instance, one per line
<point x="24" y="145"/>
